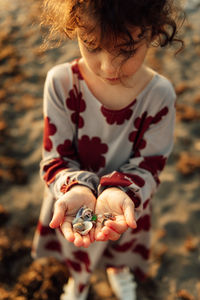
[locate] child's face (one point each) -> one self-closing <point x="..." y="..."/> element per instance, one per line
<point x="108" y="65"/>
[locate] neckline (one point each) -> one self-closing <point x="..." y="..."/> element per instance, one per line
<point x="133" y="102"/>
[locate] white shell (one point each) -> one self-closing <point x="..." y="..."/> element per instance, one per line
<point x="87" y="227"/>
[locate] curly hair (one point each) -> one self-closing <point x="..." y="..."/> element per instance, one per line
<point x="114" y="18"/>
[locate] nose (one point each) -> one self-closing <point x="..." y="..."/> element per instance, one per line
<point x="109" y="64"/>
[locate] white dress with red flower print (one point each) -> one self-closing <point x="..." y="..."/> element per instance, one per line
<point x="89" y="144"/>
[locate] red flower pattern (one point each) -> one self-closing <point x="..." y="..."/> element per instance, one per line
<point x="53" y="246"/>
<point x="53" y="168"/>
<point x="76" y="103"/>
<point x="76" y="70"/>
<point x="73" y="265"/>
<point x="139" y="274"/>
<point x="154" y="164"/>
<point x="66" y="149"/>
<point x="107" y="253"/>
<point x="83" y="257"/>
<point x="124" y="247"/>
<point x="142" y="125"/>
<point x="142" y="250"/>
<point x="91" y="153"/>
<point x="146" y="203"/>
<point x="118" y="117"/>
<point x="122" y="179"/>
<point x="44" y="230"/>
<point x="136" y="200"/>
<point x="81" y="287"/>
<point x="49" y="129"/>
<point x="143" y="223"/>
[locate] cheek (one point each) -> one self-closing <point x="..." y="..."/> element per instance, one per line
<point x="134" y="63"/>
<point x="91" y="60"/>
<point x="130" y="66"/>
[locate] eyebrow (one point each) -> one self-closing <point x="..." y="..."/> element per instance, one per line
<point x="128" y="44"/>
<point x="93" y="44"/>
<point x="131" y="46"/>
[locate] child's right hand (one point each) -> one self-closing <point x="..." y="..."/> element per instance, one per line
<point x="117" y="202"/>
<point x="66" y="208"/>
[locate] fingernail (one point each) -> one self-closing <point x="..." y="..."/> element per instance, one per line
<point x="51" y="224"/>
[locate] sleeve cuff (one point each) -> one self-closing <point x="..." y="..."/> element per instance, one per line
<point x="67" y="181"/>
<point x="66" y="187"/>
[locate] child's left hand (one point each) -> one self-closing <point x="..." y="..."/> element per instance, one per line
<point x="117" y="202"/>
<point x="66" y="208"/>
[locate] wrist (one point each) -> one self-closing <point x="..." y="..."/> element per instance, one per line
<point x="79" y="188"/>
<point x="111" y="188"/>
<point x="74" y="185"/>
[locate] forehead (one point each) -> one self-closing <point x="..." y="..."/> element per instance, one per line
<point x="95" y="37"/>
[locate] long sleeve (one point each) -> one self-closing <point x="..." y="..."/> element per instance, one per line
<point x="152" y="138"/>
<point x="60" y="166"/>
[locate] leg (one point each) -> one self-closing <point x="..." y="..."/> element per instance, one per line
<point x="81" y="262"/>
<point x="49" y="242"/>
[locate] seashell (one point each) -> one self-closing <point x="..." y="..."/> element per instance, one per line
<point x="80" y="212"/>
<point x="80" y="226"/>
<point x="109" y="216"/>
<point x="106" y="216"/>
<point x="84" y="214"/>
<point x="78" y="218"/>
<point x="83" y="227"/>
<point x="87" y="214"/>
<point x="85" y="219"/>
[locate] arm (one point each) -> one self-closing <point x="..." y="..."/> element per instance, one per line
<point x="60" y="168"/>
<point x="152" y="138"/>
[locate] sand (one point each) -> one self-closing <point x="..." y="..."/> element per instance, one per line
<point x="175" y="260"/>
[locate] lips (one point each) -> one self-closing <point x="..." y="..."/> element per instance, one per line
<point x="113" y="79"/>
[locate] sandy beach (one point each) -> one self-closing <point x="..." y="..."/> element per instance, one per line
<point x="175" y="261"/>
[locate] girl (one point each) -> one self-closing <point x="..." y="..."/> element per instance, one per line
<point x="109" y="122"/>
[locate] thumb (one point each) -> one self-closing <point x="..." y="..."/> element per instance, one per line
<point x="58" y="214"/>
<point x="129" y="215"/>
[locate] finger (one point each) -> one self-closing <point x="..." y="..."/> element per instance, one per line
<point x="67" y="231"/>
<point x="58" y="215"/>
<point x="112" y="235"/>
<point x="118" y="226"/>
<point x="99" y="236"/>
<point x="92" y="235"/>
<point x="129" y="215"/>
<point x="86" y="241"/>
<point x="78" y="240"/>
<point x="106" y="230"/>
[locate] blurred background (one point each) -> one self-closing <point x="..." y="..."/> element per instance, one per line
<point x="175" y="261"/>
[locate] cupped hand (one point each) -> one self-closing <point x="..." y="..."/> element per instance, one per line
<point x="117" y="202"/>
<point x="65" y="209"/>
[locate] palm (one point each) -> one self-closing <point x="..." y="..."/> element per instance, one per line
<point x="116" y="201"/>
<point x="65" y="210"/>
